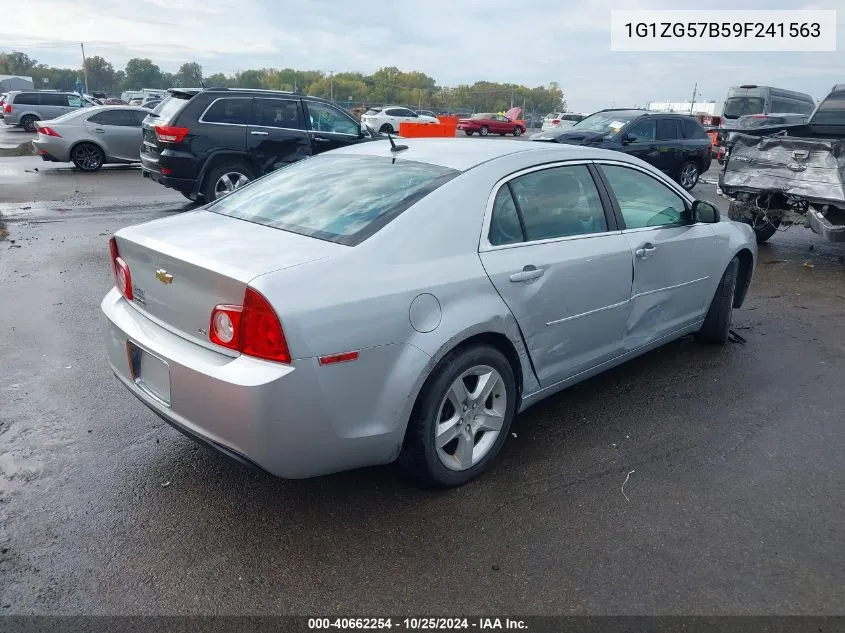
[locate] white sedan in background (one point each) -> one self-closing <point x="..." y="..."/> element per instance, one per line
<point x="387" y="119"/>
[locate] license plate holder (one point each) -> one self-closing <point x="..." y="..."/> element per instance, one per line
<point x="150" y="373"/>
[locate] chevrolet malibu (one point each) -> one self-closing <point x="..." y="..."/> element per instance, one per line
<point x="390" y="302"/>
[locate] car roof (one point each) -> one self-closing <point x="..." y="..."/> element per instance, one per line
<point x="462" y="154"/>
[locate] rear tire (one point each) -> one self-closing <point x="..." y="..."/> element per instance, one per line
<point x="763" y="230"/>
<point x="87" y="157"/>
<point x="469" y="132"/>
<point x="717" y="323"/>
<point x="688" y="175"/>
<point x="484" y="131"/>
<point x="224" y="179"/>
<point x="28" y="123"/>
<point x="386" y="129"/>
<point x="433" y="414"/>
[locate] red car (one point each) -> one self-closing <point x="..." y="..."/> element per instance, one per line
<point x="488" y="123"/>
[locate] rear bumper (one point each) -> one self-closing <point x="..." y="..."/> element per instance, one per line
<point x="294" y="421"/>
<point x="820" y="225"/>
<point x="179" y="184"/>
<point x="49" y="150"/>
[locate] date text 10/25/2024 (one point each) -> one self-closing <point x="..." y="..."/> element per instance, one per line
<point x="418" y="624"/>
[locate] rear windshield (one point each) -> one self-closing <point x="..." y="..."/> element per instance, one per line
<point x="740" y="106"/>
<point x="343" y="199"/>
<point x="169" y="108"/>
<point x="373" y="111"/>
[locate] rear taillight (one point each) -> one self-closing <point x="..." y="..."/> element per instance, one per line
<point x="122" y="278"/>
<point x="758" y="116"/>
<point x="556" y="121"/>
<point x="48" y="131"/>
<point x="8" y="108"/>
<point x="170" y="133"/>
<point x="252" y="329"/>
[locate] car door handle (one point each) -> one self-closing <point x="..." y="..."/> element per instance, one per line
<point x="528" y="273"/>
<point x="257" y="133"/>
<point x="99" y="130"/>
<point x="645" y="251"/>
<point x="322" y="139"/>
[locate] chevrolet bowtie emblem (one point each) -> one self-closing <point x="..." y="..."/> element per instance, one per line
<point x="163" y="276"/>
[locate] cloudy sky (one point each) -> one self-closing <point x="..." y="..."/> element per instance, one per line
<point x="532" y="42"/>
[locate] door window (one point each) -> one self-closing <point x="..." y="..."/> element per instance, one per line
<point x="552" y="203"/>
<point x="74" y="101"/>
<point x="669" y="130"/>
<point x="120" y="118"/>
<point x="642" y="131"/>
<point x="325" y="118"/>
<point x="228" y="111"/>
<point x="643" y="201"/>
<point x="282" y="113"/>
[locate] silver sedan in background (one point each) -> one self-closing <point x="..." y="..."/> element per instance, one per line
<point x="384" y="301"/>
<point x="92" y="137"/>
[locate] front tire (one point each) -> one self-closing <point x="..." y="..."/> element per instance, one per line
<point x="225" y="179"/>
<point x="765" y="228"/>
<point x="461" y="418"/>
<point x="717" y="323"/>
<point x="688" y="175"/>
<point x="484" y="131"/>
<point x="28" y="123"/>
<point x="87" y="157"/>
<point x="517" y="131"/>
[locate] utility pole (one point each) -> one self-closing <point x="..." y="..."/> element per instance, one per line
<point x="84" y="67"/>
<point x="694" y="92"/>
<point x="419" y="105"/>
<point x="511" y="96"/>
<point x="331" y="85"/>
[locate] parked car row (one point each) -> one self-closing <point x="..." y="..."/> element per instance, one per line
<point x="676" y="144"/>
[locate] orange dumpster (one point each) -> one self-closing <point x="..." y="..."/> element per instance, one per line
<point x="448" y="120"/>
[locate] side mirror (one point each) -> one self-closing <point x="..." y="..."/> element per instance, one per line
<point x="628" y="138"/>
<point x="704" y="212"/>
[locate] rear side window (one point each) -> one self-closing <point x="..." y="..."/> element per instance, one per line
<point x="832" y="110"/>
<point x="694" y="129"/>
<point x="228" y="111"/>
<point x="669" y="129"/>
<point x="118" y="118"/>
<point x="282" y="113"/>
<point x="27" y="98"/>
<point x="53" y="99"/>
<point x="342" y="199"/>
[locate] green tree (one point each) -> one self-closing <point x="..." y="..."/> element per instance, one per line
<point x="16" y="63"/>
<point x="101" y="75"/>
<point x="250" y="79"/>
<point x="218" y="80"/>
<point x="142" y="73"/>
<point x="189" y="75"/>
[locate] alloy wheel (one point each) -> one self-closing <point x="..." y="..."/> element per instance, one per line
<point x="228" y="182"/>
<point x="470" y="417"/>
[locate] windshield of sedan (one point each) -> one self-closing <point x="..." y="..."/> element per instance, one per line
<point x="605" y="123"/>
<point x="342" y="199"/>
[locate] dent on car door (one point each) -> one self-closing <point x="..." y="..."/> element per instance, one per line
<point x="552" y="255"/>
<point x="674" y="261"/>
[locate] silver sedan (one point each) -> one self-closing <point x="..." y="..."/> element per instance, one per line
<point x="92" y="137"/>
<point x="384" y="302"/>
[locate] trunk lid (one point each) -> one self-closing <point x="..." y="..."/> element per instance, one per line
<point x="807" y="168"/>
<point x="183" y="266"/>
